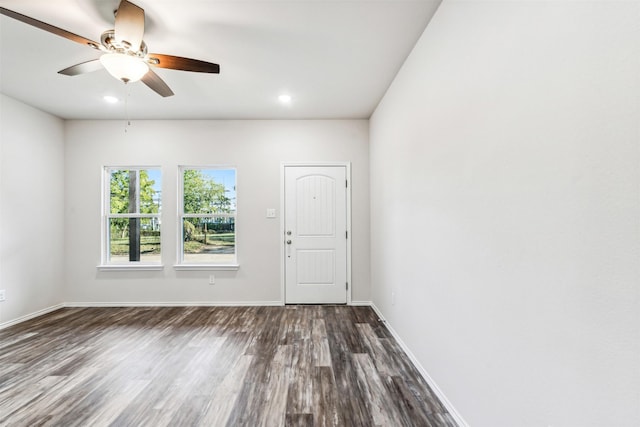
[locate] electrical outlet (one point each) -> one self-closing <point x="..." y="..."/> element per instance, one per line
<point x="212" y="279"/>
<point x="2" y="295"/>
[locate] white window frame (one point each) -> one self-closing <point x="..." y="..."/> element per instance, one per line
<point x="181" y="264"/>
<point x="105" y="263"/>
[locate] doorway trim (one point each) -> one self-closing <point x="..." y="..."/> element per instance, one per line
<point x="283" y="166"/>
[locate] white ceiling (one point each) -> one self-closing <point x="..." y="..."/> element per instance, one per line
<point x="335" y="58"/>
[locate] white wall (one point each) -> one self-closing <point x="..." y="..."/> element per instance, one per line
<point x="505" y="210"/>
<point x="31" y="209"/>
<point x="257" y="149"/>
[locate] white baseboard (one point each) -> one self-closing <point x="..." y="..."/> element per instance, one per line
<point x="438" y="392"/>
<point x="31" y="315"/>
<point x="361" y="303"/>
<point x="176" y="304"/>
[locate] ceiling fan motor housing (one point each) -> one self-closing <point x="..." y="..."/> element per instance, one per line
<point x="113" y="45"/>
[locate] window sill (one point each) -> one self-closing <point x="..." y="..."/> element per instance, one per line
<point x="206" y="267"/>
<point x="130" y="267"/>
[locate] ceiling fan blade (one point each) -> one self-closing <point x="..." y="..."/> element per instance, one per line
<point x="158" y="85"/>
<point x="184" y="64"/>
<point x="129" y="24"/>
<point x="50" y="28"/>
<point x="81" y="68"/>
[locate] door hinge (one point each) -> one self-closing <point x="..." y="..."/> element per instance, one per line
<point x="346" y="234"/>
<point x="347" y="287"/>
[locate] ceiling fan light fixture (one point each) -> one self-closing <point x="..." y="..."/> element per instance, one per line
<point x="124" y="67"/>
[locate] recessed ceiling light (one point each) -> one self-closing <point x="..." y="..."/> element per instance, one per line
<point x="110" y="99"/>
<point x="284" y="98"/>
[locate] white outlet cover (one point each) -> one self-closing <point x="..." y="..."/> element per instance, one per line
<point x="271" y="213"/>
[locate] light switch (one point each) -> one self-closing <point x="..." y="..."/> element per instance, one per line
<point x="271" y="213"/>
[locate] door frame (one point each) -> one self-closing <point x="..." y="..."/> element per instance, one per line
<point x="283" y="166"/>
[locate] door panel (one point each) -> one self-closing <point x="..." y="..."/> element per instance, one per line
<point x="315" y="234"/>
<point x="315" y="206"/>
<point x="316" y="267"/>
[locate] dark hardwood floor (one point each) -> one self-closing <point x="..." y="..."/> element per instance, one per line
<point x="210" y="366"/>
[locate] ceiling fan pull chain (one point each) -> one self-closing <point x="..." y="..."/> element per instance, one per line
<point x="127" y="117"/>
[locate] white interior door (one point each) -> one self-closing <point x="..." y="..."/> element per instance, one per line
<point x="315" y="224"/>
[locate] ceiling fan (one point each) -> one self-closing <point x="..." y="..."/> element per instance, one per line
<point x="125" y="53"/>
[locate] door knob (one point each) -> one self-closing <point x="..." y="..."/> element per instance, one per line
<point x="288" y="242"/>
<point x="289" y="233"/>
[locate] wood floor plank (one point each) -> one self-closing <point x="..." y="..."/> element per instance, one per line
<point x="326" y="396"/>
<point x="383" y="410"/>
<point x="18" y="338"/>
<point x="21" y="401"/>
<point x="272" y="411"/>
<point x="224" y="399"/>
<point x="298" y="365"/>
<point x="300" y="393"/>
<point x="185" y="385"/>
<point x="62" y="395"/>
<point x="114" y="405"/>
<point x="320" y="352"/>
<point x="417" y="382"/>
<point x="409" y="405"/>
<point x="299" y="420"/>
<point x="379" y="354"/>
<point x="353" y="401"/>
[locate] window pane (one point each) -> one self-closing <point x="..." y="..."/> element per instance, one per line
<point x="135" y="191"/>
<point x="134" y="239"/>
<point x="150" y="191"/>
<point x="119" y="184"/>
<point x="209" y="240"/>
<point x="209" y="191"/>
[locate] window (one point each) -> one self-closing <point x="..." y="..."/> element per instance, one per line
<point x="131" y="216"/>
<point x="207" y="217"/>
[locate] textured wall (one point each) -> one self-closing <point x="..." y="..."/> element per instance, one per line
<point x="256" y="149"/>
<point x="505" y="213"/>
<point x="31" y="209"/>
